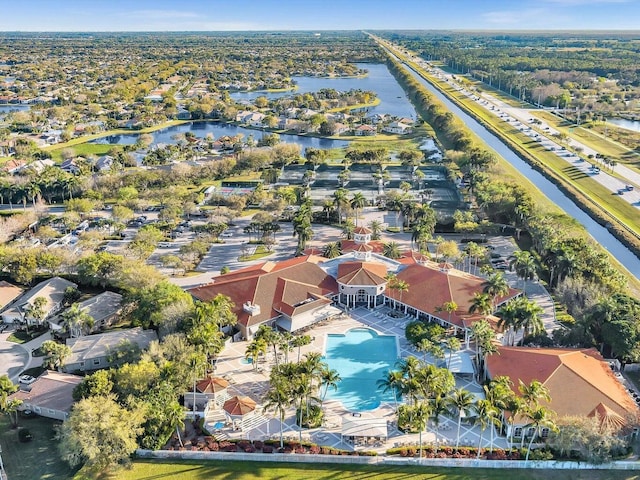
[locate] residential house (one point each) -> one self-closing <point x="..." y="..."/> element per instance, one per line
<point x="52" y="290"/>
<point x="398" y="128"/>
<point x="8" y="293"/>
<point x="365" y="131"/>
<point x="376" y="118"/>
<point x="341" y="128"/>
<point x="103" y="308"/>
<point x="580" y="382"/>
<point x="183" y="114"/>
<point x="70" y="165"/>
<point x="104" y="163"/>
<point x="51" y="395"/>
<point x="92" y="352"/>
<point x="251" y="118"/>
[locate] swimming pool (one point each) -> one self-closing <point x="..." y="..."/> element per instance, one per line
<point x="361" y="357"/>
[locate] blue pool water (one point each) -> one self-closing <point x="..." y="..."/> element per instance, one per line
<point x="362" y="357"/>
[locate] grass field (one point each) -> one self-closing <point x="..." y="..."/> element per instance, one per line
<point x="38" y="459"/>
<point x="172" y="470"/>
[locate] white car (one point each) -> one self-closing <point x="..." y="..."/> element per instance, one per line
<point x="165" y="244"/>
<point x="26" y="379"/>
<point x="227" y="234"/>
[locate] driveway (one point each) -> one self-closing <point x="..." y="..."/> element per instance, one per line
<point x="14" y="359"/>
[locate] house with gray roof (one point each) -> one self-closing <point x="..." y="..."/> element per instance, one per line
<point x="92" y="352"/>
<point x="52" y="290"/>
<point x="103" y="308"/>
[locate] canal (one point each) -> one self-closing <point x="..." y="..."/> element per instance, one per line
<point x="616" y="248"/>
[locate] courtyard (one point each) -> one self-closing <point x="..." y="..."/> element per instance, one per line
<point x="245" y="380"/>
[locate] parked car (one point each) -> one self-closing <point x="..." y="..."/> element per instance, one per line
<point x="26" y="379"/>
<point x="165" y="244"/>
<point x="629" y="188"/>
<point x="226" y="234"/>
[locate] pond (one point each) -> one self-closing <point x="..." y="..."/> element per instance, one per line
<point x="13" y="108"/>
<point x="626" y="124"/>
<point x="218" y="129"/>
<point x="393" y="99"/>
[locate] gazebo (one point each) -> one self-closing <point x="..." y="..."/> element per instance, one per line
<point x="239" y="408"/>
<point x="212" y="386"/>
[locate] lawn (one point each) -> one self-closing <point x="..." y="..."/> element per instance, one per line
<point x="173" y="470"/>
<point x="22" y="336"/>
<point x="38" y="459"/>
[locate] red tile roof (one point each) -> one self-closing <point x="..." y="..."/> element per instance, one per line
<point x="273" y="286"/>
<point x="361" y="273"/>
<point x="448" y="285"/>
<point x="578" y="379"/>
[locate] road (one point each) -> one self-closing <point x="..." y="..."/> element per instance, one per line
<point x="543" y="134"/>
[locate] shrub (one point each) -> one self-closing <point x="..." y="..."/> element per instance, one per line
<point x="315" y="449"/>
<point x="267" y="449"/>
<point x="258" y="444"/>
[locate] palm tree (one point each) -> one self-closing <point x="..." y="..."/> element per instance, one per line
<point x="299" y="342"/>
<point x="530" y="319"/>
<point x="496" y="286"/>
<point x="9" y="407"/>
<point x="449" y="307"/>
<point x="197" y="365"/>
<point x="391" y="250"/>
<point x="332" y="250"/>
<point x="340" y="200"/>
<point x="462" y="400"/>
<point x="525" y="266"/>
<point x="278" y="399"/>
<point x="376" y="227"/>
<point x="480" y="303"/>
<point x="329" y="378"/>
<point x="440" y="405"/>
<point x="358" y="202"/>
<point x="452" y="344"/>
<point x="485" y="415"/>
<point x="538" y="417"/>
<point x="348" y="229"/>
<point x="475" y="251"/>
<point x="393" y="380"/>
<point x="421" y="414"/>
<point x="175" y="418"/>
<point x="76" y="321"/>
<point x="257" y="347"/>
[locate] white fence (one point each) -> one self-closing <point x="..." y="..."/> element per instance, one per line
<point x="384" y="460"/>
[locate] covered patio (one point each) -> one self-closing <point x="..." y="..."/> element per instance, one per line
<point x="364" y="430"/>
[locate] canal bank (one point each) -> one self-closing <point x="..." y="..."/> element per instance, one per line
<point x="623" y="252"/>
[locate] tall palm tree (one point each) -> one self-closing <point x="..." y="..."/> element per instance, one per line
<point x="524" y="265"/>
<point x="484" y="415"/>
<point x="329" y="378"/>
<point x="462" y="400"/>
<point x="421" y="414"/>
<point x="340" y="200"/>
<point x="440" y="405"/>
<point x="358" y="202"/>
<point x="393" y="380"/>
<point x="299" y="342"/>
<point x="538" y="417"/>
<point x="376" y="227"/>
<point x="496" y="286"/>
<point x="278" y="399"/>
<point x="257" y="347"/>
<point x="452" y="344"/>
<point x="77" y="321"/>
<point x="480" y="303"/>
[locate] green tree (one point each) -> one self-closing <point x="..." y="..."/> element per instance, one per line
<point x="100" y="433"/>
<point x="7" y="406"/>
<point x="56" y="353"/>
<point x="77" y="322"/>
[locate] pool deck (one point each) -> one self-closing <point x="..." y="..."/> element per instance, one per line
<point x="245" y="380"/>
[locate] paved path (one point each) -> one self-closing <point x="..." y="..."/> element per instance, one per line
<point x="15" y="357"/>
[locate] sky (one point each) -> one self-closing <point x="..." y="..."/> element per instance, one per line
<point x="219" y="15"/>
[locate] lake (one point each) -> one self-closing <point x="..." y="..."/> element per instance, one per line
<point x="218" y="129"/>
<point x="624" y="123"/>
<point x="393" y="99"/>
